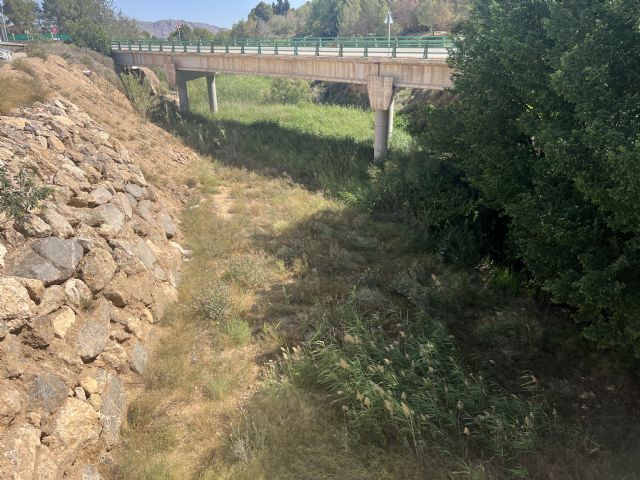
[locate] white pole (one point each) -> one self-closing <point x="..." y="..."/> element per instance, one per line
<point x="4" y="25"/>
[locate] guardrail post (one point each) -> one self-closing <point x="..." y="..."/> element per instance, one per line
<point x="366" y="50"/>
<point x="426" y="50"/>
<point x="295" y="49"/>
<point x="129" y="44"/>
<point x="161" y="49"/>
<point x="395" y="49"/>
<point x="341" y="49"/>
<point x="259" y="47"/>
<point x="149" y="49"/>
<point x="242" y="47"/>
<point x="276" y="50"/>
<point x="199" y="45"/>
<point x="226" y="47"/>
<point x="213" y="50"/>
<point x="119" y="46"/>
<point x="184" y="47"/>
<point x="318" y="49"/>
<point x="173" y="47"/>
<point x="140" y="46"/>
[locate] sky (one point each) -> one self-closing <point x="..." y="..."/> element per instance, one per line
<point x="216" y="12"/>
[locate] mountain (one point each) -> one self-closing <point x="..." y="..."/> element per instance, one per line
<point x="162" y="28"/>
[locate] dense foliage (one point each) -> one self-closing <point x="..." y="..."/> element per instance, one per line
<point x="20" y="196"/>
<point x="545" y="132"/>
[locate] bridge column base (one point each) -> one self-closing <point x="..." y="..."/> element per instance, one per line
<point x="381" y="138"/>
<point x="213" y="94"/>
<point x="183" y="97"/>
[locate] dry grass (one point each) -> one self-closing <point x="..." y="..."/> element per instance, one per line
<point x="19" y="91"/>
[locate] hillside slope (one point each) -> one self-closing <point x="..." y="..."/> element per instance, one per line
<point x="162" y="28"/>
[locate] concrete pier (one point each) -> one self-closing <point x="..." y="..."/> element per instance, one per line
<point x="183" y="97"/>
<point x="213" y="94"/>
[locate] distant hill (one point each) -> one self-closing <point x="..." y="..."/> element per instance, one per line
<point x="162" y="28"/>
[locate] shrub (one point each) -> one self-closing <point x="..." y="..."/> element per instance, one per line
<point x="18" y="200"/>
<point x="212" y="303"/>
<point x="398" y="378"/>
<point x="285" y="90"/>
<point x="139" y="93"/>
<point x="20" y="92"/>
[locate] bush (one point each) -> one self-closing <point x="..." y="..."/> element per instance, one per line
<point x="138" y="91"/>
<point x="285" y="90"/>
<point x="90" y="34"/>
<point x="212" y="303"/>
<point x="20" y="92"/>
<point x="17" y="201"/>
<point x="397" y="378"/>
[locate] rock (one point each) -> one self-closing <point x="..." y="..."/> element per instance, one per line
<point x="34" y="286"/>
<point x="10" y="403"/>
<point x="100" y="196"/>
<point x="167" y="223"/>
<point x="115" y="357"/>
<point x="97" y="268"/>
<point x="13" y="361"/>
<point x="37" y="333"/>
<point x="91" y="340"/>
<point x="116" y="295"/>
<point x="113" y="408"/>
<point x="35" y="266"/>
<point x="145" y="254"/>
<point x="148" y="316"/>
<point x="56" y="144"/>
<point x="78" y="295"/>
<point x="134" y="325"/>
<point x="90" y="385"/>
<point x="136" y="191"/>
<point x="3" y="254"/>
<point x="16" y="306"/>
<point x="75" y="426"/>
<point x="123" y="202"/>
<point x="79" y="393"/>
<point x="89" y="472"/>
<point x="146" y="210"/>
<point x="33" y="226"/>
<point x="65" y="255"/>
<point x="62" y="321"/>
<point x="163" y="296"/>
<point x="110" y="215"/>
<point x="45" y="393"/>
<point x="95" y="401"/>
<point x="60" y="226"/>
<point x="52" y="299"/>
<point x="23" y="457"/>
<point x="139" y="358"/>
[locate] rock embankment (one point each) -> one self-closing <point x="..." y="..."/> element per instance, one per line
<point x="82" y="281"/>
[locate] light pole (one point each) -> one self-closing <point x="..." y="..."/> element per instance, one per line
<point x="4" y="25"/>
<point x="389" y="22"/>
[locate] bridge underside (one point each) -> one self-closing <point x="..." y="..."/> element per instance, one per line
<point x="382" y="76"/>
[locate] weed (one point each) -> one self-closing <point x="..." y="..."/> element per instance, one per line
<point x="139" y="93"/>
<point x="212" y="303"/>
<point x="249" y="271"/>
<point x="20" y="92"/>
<point x="237" y="331"/>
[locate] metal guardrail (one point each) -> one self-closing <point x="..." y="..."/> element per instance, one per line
<point x="40" y="37"/>
<point x="395" y="47"/>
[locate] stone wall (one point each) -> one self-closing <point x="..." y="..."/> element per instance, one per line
<point x="82" y="281"/>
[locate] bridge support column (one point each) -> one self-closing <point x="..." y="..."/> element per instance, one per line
<point x="381" y="99"/>
<point x="183" y="96"/>
<point x="213" y="94"/>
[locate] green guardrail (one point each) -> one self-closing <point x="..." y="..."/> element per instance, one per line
<point x="39" y="37"/>
<point x="396" y="44"/>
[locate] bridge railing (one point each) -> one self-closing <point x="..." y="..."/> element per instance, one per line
<point x="395" y="47"/>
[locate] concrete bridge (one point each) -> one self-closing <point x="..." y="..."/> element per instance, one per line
<point x="382" y="65"/>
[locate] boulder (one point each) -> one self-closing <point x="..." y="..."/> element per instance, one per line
<point x="12" y="360"/>
<point x="100" y="196"/>
<point x="35" y="266"/>
<point x="115" y="357"/>
<point x="78" y="294"/>
<point x="74" y="427"/>
<point x="64" y="254"/>
<point x="34" y="286"/>
<point x="60" y="226"/>
<point x="62" y="320"/>
<point x="122" y="201"/>
<point x="45" y="393"/>
<point x="10" y="403"/>
<point x="37" y="333"/>
<point x="136" y="191"/>
<point x="16" y="306"/>
<point x="167" y="223"/>
<point x="97" y="269"/>
<point x="111" y="216"/>
<point x="90" y="385"/>
<point x="91" y="340"/>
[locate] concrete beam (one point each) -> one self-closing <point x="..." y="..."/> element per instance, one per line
<point x="213" y="94"/>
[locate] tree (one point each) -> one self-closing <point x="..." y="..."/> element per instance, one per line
<point x="546" y="129"/>
<point x="281" y="7"/>
<point x="262" y="11"/>
<point x="21" y="12"/>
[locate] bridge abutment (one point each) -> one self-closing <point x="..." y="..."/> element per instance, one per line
<point x="381" y="92"/>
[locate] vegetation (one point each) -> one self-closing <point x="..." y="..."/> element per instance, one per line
<point x="19" y="197"/>
<point x="20" y="91"/>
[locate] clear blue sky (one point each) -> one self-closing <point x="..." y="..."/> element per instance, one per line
<point x="220" y="13"/>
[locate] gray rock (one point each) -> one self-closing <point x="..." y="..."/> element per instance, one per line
<point x="113" y="409"/>
<point x="170" y="228"/>
<point x="63" y="254"/>
<point x="90" y="472"/>
<point x="3" y="254"/>
<point x="97" y="269"/>
<point x="45" y="393"/>
<point x="60" y="227"/>
<point x="111" y="216"/>
<point x="146" y="210"/>
<point x="16" y="306"/>
<point x="136" y="191"/>
<point x="13" y="361"/>
<point x="91" y="340"/>
<point x="145" y="254"/>
<point x="124" y="204"/>
<point x="139" y="358"/>
<point x="33" y="226"/>
<point x="36" y="266"/>
<point x="24" y="458"/>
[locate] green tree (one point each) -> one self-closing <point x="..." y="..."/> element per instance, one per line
<point x="262" y="11"/>
<point x="546" y="128"/>
<point x="281" y="7"/>
<point x="21" y="12"/>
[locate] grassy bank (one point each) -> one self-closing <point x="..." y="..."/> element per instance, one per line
<point x="314" y="342"/>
